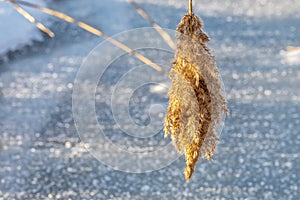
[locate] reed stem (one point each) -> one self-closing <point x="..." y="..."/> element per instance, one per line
<point x="191" y="7"/>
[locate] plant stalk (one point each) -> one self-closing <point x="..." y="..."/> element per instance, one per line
<point x="191" y="7"/>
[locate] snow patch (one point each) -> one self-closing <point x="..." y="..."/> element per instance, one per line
<point x="15" y="30"/>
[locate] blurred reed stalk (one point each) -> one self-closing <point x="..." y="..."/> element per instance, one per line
<point x="158" y="28"/>
<point x="80" y="24"/>
<point x="30" y="18"/>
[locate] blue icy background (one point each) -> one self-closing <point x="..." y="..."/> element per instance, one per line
<point x="258" y="157"/>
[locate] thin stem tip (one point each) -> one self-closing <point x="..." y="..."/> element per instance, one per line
<point x="191" y="7"/>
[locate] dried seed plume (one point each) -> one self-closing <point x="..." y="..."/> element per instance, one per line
<point x="196" y="101"/>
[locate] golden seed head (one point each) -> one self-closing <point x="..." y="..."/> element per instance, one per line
<point x="196" y="101"/>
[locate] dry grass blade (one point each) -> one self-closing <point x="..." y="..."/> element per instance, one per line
<point x="293" y="49"/>
<point x="157" y="27"/>
<point x="30" y="18"/>
<point x="94" y="31"/>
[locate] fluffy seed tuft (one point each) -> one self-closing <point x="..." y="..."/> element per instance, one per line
<point x="196" y="101"/>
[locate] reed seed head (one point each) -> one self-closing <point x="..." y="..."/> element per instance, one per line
<point x="196" y="101"/>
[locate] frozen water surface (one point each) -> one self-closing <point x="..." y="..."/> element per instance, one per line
<point x="258" y="157"/>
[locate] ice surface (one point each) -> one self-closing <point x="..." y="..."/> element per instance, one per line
<point x="41" y="156"/>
